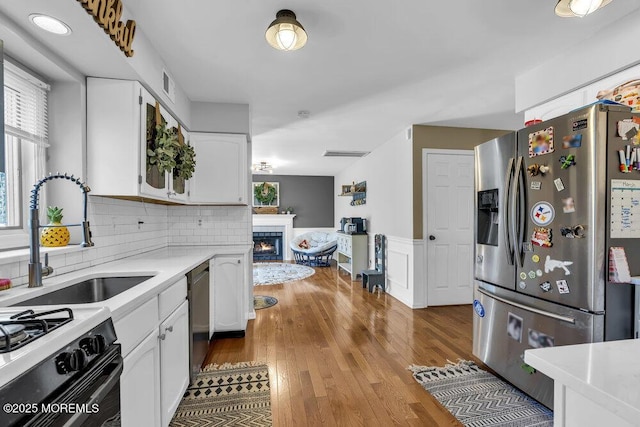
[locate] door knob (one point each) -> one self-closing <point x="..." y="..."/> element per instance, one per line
<point x="432" y="237"/>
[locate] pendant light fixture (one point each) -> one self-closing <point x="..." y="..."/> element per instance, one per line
<point x="579" y="8"/>
<point x="286" y="33"/>
<point x="262" y="167"/>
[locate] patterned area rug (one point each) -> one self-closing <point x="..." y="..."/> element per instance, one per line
<point x="262" y="301"/>
<point x="227" y="395"/>
<point x="272" y="273"/>
<point x="479" y="399"/>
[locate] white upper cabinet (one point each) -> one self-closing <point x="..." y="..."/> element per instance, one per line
<point x="224" y="179"/>
<point x="122" y="119"/>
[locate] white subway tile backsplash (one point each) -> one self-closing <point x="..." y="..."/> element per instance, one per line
<point x="117" y="233"/>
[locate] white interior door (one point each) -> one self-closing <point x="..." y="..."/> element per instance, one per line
<point x="448" y="225"/>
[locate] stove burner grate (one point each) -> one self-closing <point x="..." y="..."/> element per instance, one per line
<point x="26" y="326"/>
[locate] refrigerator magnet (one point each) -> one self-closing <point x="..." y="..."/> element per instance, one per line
<point x="563" y="287"/>
<point x="579" y="124"/>
<point x="535" y="185"/>
<point x="541" y="142"/>
<point x="535" y="258"/>
<point x="523" y="285"/>
<point x="559" y="184"/>
<point x="514" y="327"/>
<point x="572" y="141"/>
<point x="538" y="339"/>
<point x="541" y="237"/>
<point x="523" y="275"/>
<point x="545" y="286"/>
<point x="568" y="205"/>
<point x="542" y="213"/>
<point x="567" y="161"/>
<point x="552" y="264"/>
<point x="539" y="273"/>
<point x="532" y="274"/>
<point x="536" y="169"/>
<point x="627" y="129"/>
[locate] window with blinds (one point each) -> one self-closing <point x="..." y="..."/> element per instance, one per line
<point x="25" y="105"/>
<point x="22" y="156"/>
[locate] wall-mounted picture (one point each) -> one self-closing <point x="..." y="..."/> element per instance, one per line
<point x="266" y="194"/>
<point x="514" y="327"/>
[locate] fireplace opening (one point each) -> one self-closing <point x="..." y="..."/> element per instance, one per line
<point x="267" y="246"/>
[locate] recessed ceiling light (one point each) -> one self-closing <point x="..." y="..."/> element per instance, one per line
<point x="50" y="24"/>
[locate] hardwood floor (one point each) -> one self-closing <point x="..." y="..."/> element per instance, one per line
<point x="338" y="355"/>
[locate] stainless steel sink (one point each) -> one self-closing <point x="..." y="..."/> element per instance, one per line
<point x="90" y="290"/>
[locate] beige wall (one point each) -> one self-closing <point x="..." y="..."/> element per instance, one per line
<point x="444" y="138"/>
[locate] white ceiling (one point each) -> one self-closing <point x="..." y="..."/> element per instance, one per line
<point x="370" y="69"/>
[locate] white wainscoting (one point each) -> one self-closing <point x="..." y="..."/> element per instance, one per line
<point x="405" y="271"/>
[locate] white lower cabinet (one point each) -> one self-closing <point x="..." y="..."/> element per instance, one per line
<point x="140" y="385"/>
<point x="156" y="363"/>
<point x="228" y="299"/>
<point x="174" y="360"/>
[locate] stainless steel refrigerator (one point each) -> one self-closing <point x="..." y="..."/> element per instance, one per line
<point x="551" y="200"/>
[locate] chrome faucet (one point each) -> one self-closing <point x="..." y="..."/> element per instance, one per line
<point x="36" y="270"/>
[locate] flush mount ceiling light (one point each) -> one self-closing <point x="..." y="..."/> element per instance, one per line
<point x="50" y="24"/>
<point x="579" y="8"/>
<point x="262" y="167"/>
<point x="286" y="33"/>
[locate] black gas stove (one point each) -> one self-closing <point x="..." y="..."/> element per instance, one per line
<point x="22" y="328"/>
<point x="76" y="384"/>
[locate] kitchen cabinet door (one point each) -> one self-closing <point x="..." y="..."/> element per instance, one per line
<point x="140" y="385"/>
<point x="174" y="360"/>
<point x="228" y="297"/>
<point x="224" y="181"/>
<point x="121" y="129"/>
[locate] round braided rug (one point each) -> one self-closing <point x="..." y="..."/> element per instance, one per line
<point x="272" y="273"/>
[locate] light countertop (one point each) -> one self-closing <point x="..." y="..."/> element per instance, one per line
<point x="606" y="372"/>
<point x="167" y="265"/>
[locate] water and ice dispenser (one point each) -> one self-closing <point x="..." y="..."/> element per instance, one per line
<point x="488" y="214"/>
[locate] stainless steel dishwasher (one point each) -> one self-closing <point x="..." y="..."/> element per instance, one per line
<point x="198" y="296"/>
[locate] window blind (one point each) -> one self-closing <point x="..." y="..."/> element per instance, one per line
<point x="25" y="105"/>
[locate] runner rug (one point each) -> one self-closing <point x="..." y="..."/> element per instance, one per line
<point x="479" y="399"/>
<point x="227" y="395"/>
<point x="272" y="273"/>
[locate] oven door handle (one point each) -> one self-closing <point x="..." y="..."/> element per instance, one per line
<point x="99" y="395"/>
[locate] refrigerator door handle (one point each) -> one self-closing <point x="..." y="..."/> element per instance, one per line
<point x="517" y="210"/>
<point x="529" y="308"/>
<point x="506" y="214"/>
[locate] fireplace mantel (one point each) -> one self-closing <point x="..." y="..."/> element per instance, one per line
<point x="283" y="222"/>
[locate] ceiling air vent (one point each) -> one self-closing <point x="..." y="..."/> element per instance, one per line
<point x="342" y="153"/>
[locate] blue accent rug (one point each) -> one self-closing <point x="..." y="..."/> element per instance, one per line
<point x="479" y="399"/>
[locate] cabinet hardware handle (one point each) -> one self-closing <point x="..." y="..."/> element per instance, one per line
<point x="169" y="329"/>
<point x="162" y="336"/>
<point x="238" y="261"/>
